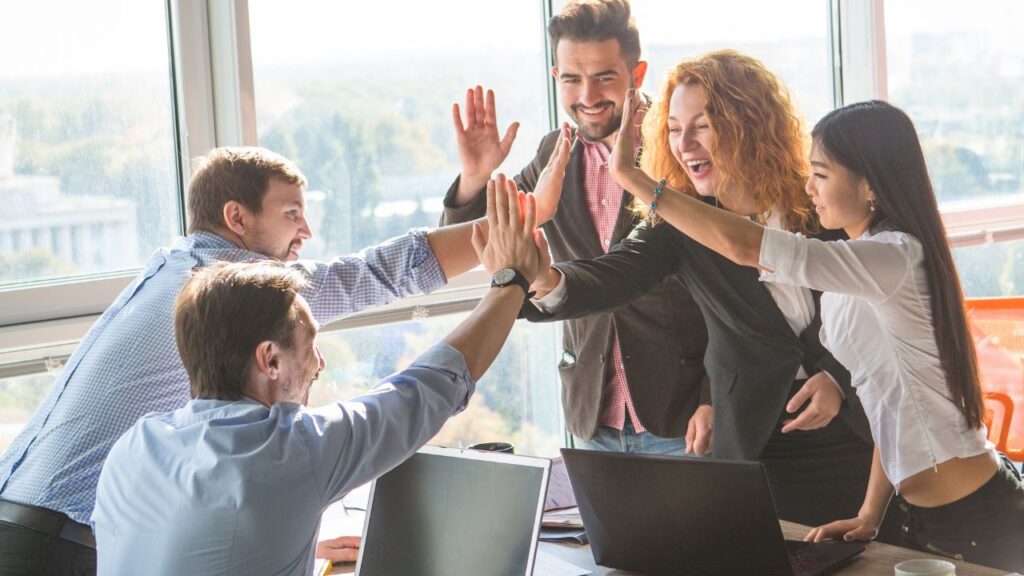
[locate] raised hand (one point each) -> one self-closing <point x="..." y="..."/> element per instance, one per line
<point x="622" y="162"/>
<point x="480" y="149"/>
<point x="548" y="191"/>
<point x="511" y="238"/>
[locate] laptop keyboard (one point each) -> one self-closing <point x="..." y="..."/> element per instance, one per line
<point x="810" y="558"/>
<point x="805" y="563"/>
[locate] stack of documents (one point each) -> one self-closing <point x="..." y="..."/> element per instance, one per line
<point x="561" y="522"/>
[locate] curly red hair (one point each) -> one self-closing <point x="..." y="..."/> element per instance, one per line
<point x="761" y="144"/>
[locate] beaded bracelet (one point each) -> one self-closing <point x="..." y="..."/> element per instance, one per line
<point x="653" y="206"/>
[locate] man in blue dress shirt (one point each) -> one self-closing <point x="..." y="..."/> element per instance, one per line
<point x="235" y="482"/>
<point x="244" y="204"/>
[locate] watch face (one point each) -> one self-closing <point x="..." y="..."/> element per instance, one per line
<point x="504" y="276"/>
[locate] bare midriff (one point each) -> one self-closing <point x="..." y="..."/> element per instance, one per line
<point x="949" y="481"/>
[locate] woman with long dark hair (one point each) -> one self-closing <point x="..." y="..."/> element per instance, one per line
<point x="893" y="314"/>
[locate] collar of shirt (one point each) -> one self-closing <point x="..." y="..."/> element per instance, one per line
<point x="205" y="241"/>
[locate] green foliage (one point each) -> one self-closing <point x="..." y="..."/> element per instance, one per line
<point x="956" y="172"/>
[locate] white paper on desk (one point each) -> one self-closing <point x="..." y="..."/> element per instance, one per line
<point x="567" y="518"/>
<point x="550" y="565"/>
<point x="560" y="493"/>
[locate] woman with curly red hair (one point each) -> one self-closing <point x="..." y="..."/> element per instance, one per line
<point x="778" y="396"/>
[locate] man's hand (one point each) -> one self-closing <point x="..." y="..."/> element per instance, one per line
<point x="344" y="549"/>
<point x="548" y="191"/>
<point x="511" y="239"/>
<point x="859" y="528"/>
<point x="823" y="402"/>
<point x="480" y="150"/>
<point x="698" y="431"/>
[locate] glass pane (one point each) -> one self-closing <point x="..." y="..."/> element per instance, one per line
<point x="87" y="160"/>
<point x="791" y="38"/>
<point x="991" y="270"/>
<point x="19" y="398"/>
<point x="960" y="75"/>
<point x="363" y="102"/>
<point x="517" y="400"/>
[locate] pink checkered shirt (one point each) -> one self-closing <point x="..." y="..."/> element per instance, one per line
<point x="604" y="198"/>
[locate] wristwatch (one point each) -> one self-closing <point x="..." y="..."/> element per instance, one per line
<point x="511" y="277"/>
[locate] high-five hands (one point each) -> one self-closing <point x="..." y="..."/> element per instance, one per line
<point x="480" y="149"/>
<point x="511" y="238"/>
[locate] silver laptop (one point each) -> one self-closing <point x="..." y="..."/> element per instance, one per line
<point x="454" y="512"/>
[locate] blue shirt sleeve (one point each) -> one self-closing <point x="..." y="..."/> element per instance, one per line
<point x="353" y="442"/>
<point x="401" y="266"/>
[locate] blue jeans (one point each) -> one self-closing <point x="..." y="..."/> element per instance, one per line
<point x="627" y="440"/>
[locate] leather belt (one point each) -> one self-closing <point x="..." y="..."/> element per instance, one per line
<point x="49" y="522"/>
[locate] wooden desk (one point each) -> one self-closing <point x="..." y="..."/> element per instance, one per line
<point x="877" y="559"/>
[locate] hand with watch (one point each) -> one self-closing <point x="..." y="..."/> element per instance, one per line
<point x="511" y="248"/>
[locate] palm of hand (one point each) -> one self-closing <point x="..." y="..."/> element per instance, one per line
<point x="480" y="149"/>
<point x="548" y="190"/>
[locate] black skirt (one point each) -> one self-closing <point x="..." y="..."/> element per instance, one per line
<point x="985" y="527"/>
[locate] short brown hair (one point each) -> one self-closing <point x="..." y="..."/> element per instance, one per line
<point x="241" y="174"/>
<point x="223" y="312"/>
<point x="597" y="21"/>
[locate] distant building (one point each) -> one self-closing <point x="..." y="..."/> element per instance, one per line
<point x="93" y="233"/>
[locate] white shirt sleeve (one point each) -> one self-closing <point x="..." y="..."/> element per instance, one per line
<point x="554" y="299"/>
<point x="872" y="269"/>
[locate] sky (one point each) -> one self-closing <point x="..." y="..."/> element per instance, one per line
<point x="103" y="36"/>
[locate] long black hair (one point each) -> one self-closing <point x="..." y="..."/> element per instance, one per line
<point x="878" y="141"/>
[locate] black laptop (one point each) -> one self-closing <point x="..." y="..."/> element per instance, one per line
<point x="673" y="515"/>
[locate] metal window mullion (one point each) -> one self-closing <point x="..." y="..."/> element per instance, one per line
<point x="547" y="11"/>
<point x="835" y="37"/>
<point x="231" y="73"/>
<point x="862" y="54"/>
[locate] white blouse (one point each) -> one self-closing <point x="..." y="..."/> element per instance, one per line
<point x="877" y="321"/>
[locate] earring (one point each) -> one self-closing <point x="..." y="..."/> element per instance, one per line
<point x="871" y="204"/>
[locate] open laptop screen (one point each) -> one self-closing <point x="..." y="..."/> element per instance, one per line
<point x="455" y="512"/>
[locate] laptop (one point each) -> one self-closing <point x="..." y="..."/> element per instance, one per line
<point x="454" y="512"/>
<point x="673" y="515"/>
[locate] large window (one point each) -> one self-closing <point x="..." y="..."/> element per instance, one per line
<point x="19" y="398"/>
<point x="516" y="401"/>
<point x="960" y="76"/>
<point x="363" y="104"/>
<point x="360" y="95"/>
<point x="791" y="38"/>
<point x="87" y="154"/>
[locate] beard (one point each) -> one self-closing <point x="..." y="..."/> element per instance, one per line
<point x="597" y="131"/>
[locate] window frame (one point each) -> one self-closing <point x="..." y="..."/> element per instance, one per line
<point x="214" y="105"/>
